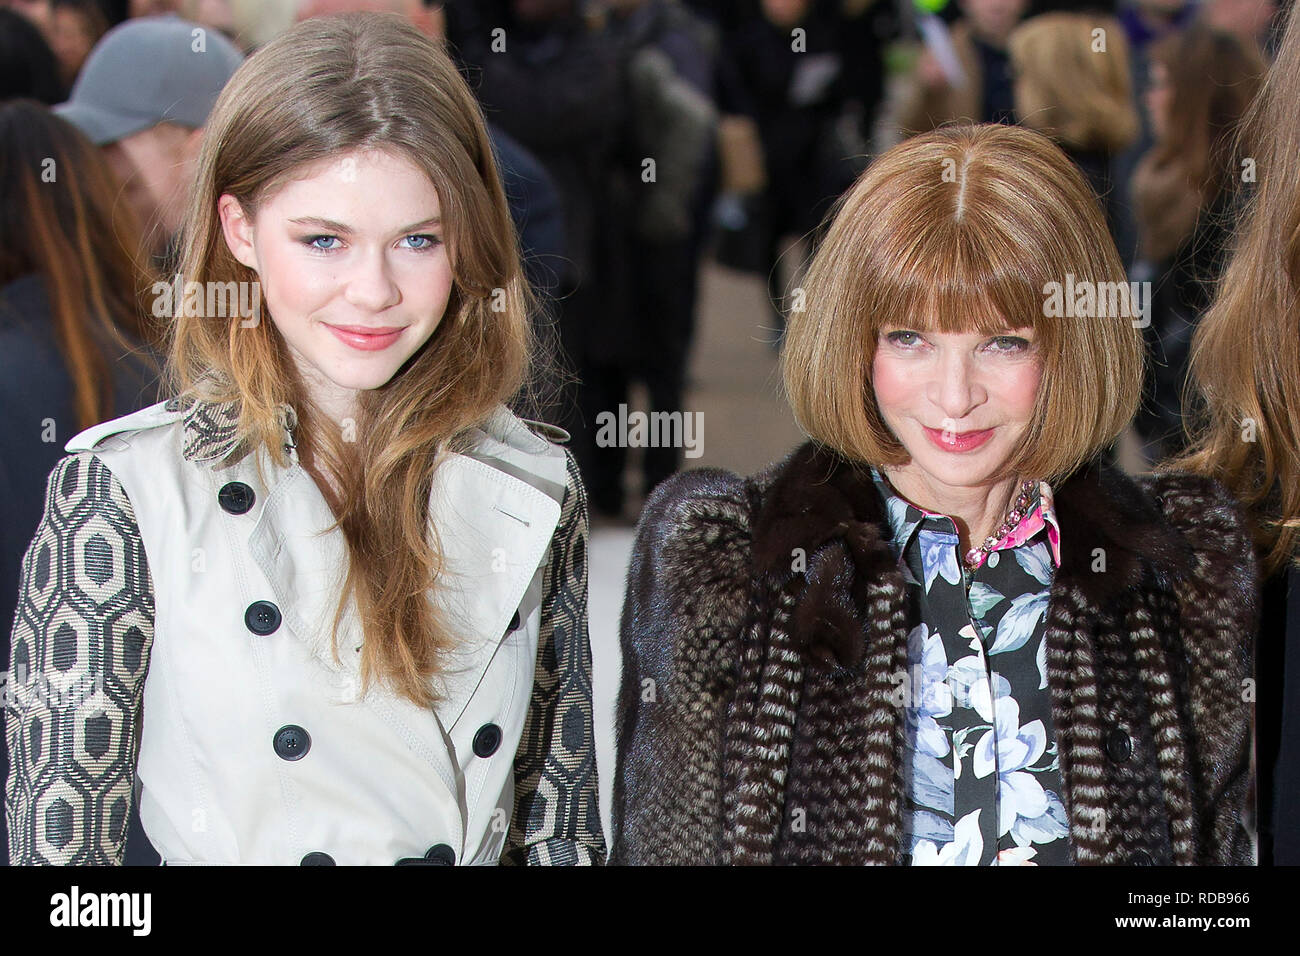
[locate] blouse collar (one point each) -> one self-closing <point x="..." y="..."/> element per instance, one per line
<point x="905" y="517"/>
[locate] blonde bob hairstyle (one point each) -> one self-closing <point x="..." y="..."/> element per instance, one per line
<point x="330" y="86"/>
<point x="962" y="230"/>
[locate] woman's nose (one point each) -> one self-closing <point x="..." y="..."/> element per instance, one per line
<point x="954" y="388"/>
<point x="371" y="286"/>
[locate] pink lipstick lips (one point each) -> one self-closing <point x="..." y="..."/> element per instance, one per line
<point x="363" y="338"/>
<point x="957" y="441"/>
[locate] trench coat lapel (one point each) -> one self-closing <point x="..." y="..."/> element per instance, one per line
<point x="492" y="528"/>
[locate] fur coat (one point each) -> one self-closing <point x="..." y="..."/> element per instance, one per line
<point x="758" y="721"/>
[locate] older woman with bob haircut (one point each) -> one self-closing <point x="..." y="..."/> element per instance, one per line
<point x="945" y="630"/>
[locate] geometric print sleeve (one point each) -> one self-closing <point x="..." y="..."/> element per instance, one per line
<point x="79" y="654"/>
<point x="557" y="815"/>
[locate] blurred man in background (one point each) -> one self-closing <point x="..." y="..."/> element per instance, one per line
<point x="143" y="96"/>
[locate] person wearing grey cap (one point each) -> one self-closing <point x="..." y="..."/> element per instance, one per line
<point x="143" y="96"/>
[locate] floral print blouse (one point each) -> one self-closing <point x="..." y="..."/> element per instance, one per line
<point x="981" y="760"/>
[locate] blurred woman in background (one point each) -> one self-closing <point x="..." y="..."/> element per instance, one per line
<point x="983" y="92"/>
<point x="70" y="27"/>
<point x="1072" y="82"/>
<point x="1201" y="84"/>
<point x="76" y="340"/>
<point x="28" y="67"/>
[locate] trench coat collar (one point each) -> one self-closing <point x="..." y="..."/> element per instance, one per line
<point x="493" y="528"/>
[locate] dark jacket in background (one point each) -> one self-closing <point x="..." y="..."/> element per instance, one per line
<point x="1140" y="38"/>
<point x="670" y="80"/>
<point x="670" y="59"/>
<point x="656" y="227"/>
<point x="535" y="209"/>
<point x="1182" y="287"/>
<point x="797" y="99"/>
<point x="554" y="88"/>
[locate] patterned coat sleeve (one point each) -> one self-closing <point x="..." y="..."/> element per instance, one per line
<point x="79" y="654"/>
<point x="557" y="810"/>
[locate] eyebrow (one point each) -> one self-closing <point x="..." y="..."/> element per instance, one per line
<point x="331" y="226"/>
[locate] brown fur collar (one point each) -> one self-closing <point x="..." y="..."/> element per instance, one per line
<point x="818" y="497"/>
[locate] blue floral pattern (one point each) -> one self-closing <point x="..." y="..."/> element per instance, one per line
<point x="980" y="756"/>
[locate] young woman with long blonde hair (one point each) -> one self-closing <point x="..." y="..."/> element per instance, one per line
<point x="327" y="604"/>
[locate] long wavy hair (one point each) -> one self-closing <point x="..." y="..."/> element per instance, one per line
<point x="1245" y="359"/>
<point x="60" y="218"/>
<point x="1190" y="170"/>
<point x="328" y="86"/>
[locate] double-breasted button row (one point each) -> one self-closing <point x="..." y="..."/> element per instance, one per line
<point x="440" y="854"/>
<point x="260" y="617"/>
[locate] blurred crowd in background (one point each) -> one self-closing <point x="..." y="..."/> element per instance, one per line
<point x="637" y="140"/>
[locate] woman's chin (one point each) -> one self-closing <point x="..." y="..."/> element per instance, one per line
<point x="966" y="469"/>
<point x="362" y="379"/>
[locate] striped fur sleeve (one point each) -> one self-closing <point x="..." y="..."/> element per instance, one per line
<point x="557" y="811"/>
<point x="1218" y="627"/>
<point x="80" y="647"/>
<point x="688" y="601"/>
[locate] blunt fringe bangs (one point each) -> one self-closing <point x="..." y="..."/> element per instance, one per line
<point x="968" y="229"/>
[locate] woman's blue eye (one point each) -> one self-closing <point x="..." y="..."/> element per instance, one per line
<point x="898" y="338"/>
<point x="427" y="242"/>
<point x="314" y="241"/>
